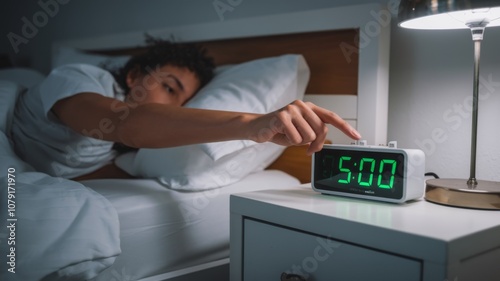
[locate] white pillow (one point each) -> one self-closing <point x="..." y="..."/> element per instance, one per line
<point x="65" y="55"/>
<point x="25" y="77"/>
<point x="259" y="86"/>
<point x="8" y="159"/>
<point x="188" y="168"/>
<point x="68" y="231"/>
<point x="9" y="91"/>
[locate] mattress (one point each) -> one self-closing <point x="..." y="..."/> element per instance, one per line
<point x="163" y="230"/>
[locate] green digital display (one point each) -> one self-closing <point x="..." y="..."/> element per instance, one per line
<point x="371" y="173"/>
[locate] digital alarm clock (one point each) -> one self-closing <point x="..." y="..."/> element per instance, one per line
<point x="383" y="173"/>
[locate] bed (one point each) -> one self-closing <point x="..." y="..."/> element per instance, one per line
<point x="155" y="229"/>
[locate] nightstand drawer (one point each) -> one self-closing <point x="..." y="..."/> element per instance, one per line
<point x="270" y="250"/>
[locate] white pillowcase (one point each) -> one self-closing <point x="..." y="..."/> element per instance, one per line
<point x="9" y="159"/>
<point x="259" y="86"/>
<point x="25" y="77"/>
<point x="9" y="92"/>
<point x="12" y="82"/>
<point x="189" y="168"/>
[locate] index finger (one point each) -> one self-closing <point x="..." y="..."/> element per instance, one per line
<point x="334" y="119"/>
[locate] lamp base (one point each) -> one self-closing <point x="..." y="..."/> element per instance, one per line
<point x="456" y="192"/>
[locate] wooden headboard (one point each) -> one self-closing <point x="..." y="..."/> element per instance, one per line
<point x="331" y="72"/>
<point x="346" y="49"/>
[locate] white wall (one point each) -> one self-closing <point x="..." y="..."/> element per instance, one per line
<point x="430" y="99"/>
<point x="430" y="76"/>
<point x="91" y="18"/>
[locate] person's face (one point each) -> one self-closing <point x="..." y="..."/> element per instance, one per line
<point x="168" y="84"/>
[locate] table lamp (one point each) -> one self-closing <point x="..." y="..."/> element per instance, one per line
<point x="475" y="15"/>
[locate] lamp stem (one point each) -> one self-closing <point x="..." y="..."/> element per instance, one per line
<point x="477" y="37"/>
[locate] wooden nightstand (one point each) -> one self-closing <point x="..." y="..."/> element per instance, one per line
<point x="322" y="237"/>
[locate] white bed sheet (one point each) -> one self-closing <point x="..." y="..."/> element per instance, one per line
<point x="163" y="230"/>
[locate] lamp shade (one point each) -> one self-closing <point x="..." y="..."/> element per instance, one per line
<point x="448" y="14"/>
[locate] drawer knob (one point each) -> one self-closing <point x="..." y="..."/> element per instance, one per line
<point x="291" y="277"/>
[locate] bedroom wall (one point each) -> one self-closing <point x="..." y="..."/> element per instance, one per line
<point x="430" y="99"/>
<point x="430" y="76"/>
<point x="39" y="23"/>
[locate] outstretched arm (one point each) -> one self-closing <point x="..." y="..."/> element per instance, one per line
<point x="158" y="125"/>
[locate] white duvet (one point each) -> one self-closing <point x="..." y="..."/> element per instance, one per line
<point x="58" y="234"/>
<point x="51" y="228"/>
<point x="54" y="229"/>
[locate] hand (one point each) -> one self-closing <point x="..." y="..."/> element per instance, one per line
<point x="299" y="123"/>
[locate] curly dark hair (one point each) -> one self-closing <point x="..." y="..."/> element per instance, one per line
<point x="162" y="52"/>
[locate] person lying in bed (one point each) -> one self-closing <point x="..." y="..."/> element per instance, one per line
<point x="67" y="125"/>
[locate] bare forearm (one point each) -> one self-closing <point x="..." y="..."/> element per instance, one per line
<point x="156" y="126"/>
